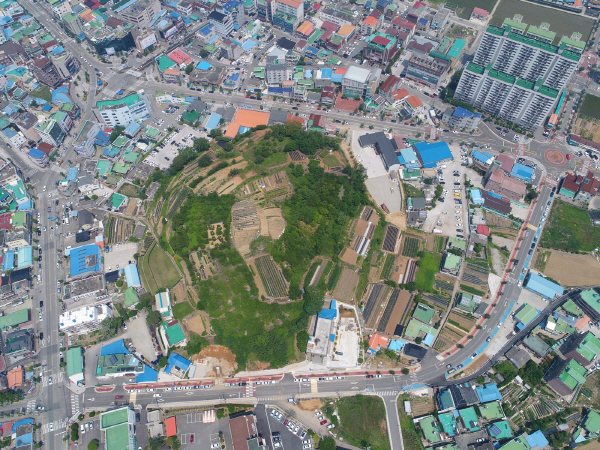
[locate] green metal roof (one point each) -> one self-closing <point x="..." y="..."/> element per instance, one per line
<point x="423" y="313"/>
<point x="548" y="92"/>
<point x="130" y="100"/>
<point x="526" y="314"/>
<point x="514" y="24"/>
<point x="475" y="68"/>
<point x="456" y="48"/>
<point x="572" y="43"/>
<point x="115" y="417"/>
<point x="546" y="34"/>
<point x="533" y="42"/>
<point x="470" y="419"/>
<point x="13" y="319"/>
<point x="592" y="422"/>
<point x="174" y="333"/>
<point x="452" y="262"/>
<point x="493" y="73"/>
<point x="525" y="83"/>
<point x="492" y="410"/>
<point x="74" y="361"/>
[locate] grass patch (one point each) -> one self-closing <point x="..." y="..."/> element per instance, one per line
<point x="276" y="159"/>
<point x="363" y="422"/>
<point x="464" y="8"/>
<point x="428" y="266"/>
<point x="411" y="191"/>
<point x="158" y="270"/>
<point x="569" y="228"/>
<point x="562" y="23"/>
<point x="471" y="290"/>
<point x="145" y="273"/>
<point x="331" y="161"/>
<point x="388" y="266"/>
<point x="335" y="277"/>
<point x="42" y="92"/>
<point x="590" y="107"/>
<point x="438" y="244"/>
<point x="180" y="310"/>
<point x="411" y="438"/>
<point x="129" y="190"/>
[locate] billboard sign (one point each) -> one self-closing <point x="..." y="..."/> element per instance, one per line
<point x="148" y="41"/>
<point x="170" y="32"/>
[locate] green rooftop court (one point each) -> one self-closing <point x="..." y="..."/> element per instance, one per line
<point x="492" y="410"/>
<point x="131" y="297"/>
<point x="431" y="429"/>
<point x="164" y="63"/>
<point x="151" y="132"/>
<point x="117" y="200"/>
<point x="451" y="262"/>
<point x="500" y="430"/>
<point x="115" y="417"/>
<point x="120" y="142"/>
<point x="14" y="319"/>
<point x="175" y="333"/>
<point x="121" y="168"/>
<point x="469" y="418"/>
<point x="423" y="313"/>
<point x="117" y="437"/>
<point x="457" y="242"/>
<point x="448" y="424"/>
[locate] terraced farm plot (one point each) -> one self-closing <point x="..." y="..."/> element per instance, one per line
<point x="271" y="276"/>
<point x="391" y="237"/>
<point x="388" y="267"/>
<point x="461" y="321"/>
<point x="244" y="215"/>
<point x="476" y="272"/>
<point x="344" y="288"/>
<point x="410" y="246"/>
<point x="176" y="200"/>
<point x="441" y="301"/>
<point x="297" y="155"/>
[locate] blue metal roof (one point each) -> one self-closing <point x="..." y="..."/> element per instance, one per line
<point x="203" y="65"/>
<point x="132" y="276"/>
<point x="543" y="286"/>
<point x="476" y="196"/>
<point x="213" y="121"/>
<point x="433" y="152"/>
<point x="85" y="259"/>
<point x="329" y="314"/>
<point x="9" y="260"/>
<point x="25" y="257"/>
<point x="132" y="129"/>
<point x="483" y="157"/>
<point x="147" y="376"/>
<point x="522" y="172"/>
<point x="176" y="360"/>
<point x="206" y="30"/>
<point x="114" y="348"/>
<point x="72" y="175"/>
<point x="462" y="112"/>
<point x="488" y="393"/>
<point x="36" y="153"/>
<point x="537" y="439"/>
<point x="396" y="345"/>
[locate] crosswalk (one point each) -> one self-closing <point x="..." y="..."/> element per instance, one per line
<point x="31" y="404"/>
<point x="249" y="389"/>
<point x="387" y="393"/>
<point x="56" y="378"/>
<point x="74" y="403"/>
<point x="273" y="398"/>
<point x="314" y="385"/>
<point x="58" y="425"/>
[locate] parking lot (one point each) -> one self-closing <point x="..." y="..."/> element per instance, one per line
<point x="278" y="435"/>
<point x="88" y="434"/>
<point x="205" y="435"/>
<point x="450" y="215"/>
<point x="346" y="350"/>
<point x="162" y="155"/>
<point x="119" y="256"/>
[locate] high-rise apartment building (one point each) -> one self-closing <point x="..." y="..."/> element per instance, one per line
<point x="517" y="73"/>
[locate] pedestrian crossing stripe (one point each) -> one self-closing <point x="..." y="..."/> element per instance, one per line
<point x="132" y="396"/>
<point x="531" y="227"/>
<point x="314" y="385"/>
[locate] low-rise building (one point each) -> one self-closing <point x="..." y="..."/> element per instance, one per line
<point x="84" y="319"/>
<point x="118" y="428"/>
<point x="461" y="118"/>
<point x="506" y="186"/>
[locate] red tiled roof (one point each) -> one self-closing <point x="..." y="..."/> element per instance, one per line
<point x="293" y="118"/>
<point x="480" y="12"/>
<point x="400" y="94"/>
<point x="507" y="162"/>
<point x="592" y="185"/>
<point x="388" y="84"/>
<point x="5" y="223"/>
<point x="483" y="229"/>
<point x="414" y="101"/>
<point x="570" y="183"/>
<point x="380" y="40"/>
<point x="318" y="120"/>
<point x="171" y="426"/>
<point x="378" y="340"/>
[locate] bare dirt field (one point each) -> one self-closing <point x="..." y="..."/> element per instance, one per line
<point x="476" y="365"/>
<point x="131" y="207"/>
<point x="572" y="270"/>
<point x="197" y="322"/>
<point x="310" y="405"/>
<point x="178" y="292"/>
<point x="398" y="219"/>
<point x="221" y="178"/>
<point x="213" y="356"/>
<point x="421" y="406"/>
<point x="344" y="290"/>
<point x="590" y="129"/>
<point x="242" y="240"/>
<point x="275" y="221"/>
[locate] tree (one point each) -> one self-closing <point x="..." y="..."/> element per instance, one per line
<point x="162" y="362"/>
<point x="189" y="68"/>
<point x="204" y="53"/>
<point x="119" y="283"/>
<point x="205" y="161"/>
<point x="313" y="300"/>
<point x="328" y="444"/>
<point x="405" y="371"/>
<point x="93" y="445"/>
<point x="302" y="340"/>
<point x="418" y="340"/>
<point x="154" y="318"/>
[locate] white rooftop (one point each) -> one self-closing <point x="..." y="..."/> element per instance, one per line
<point x="357" y="74"/>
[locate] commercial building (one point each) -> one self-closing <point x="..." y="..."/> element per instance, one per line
<point x="114" y="365"/>
<point x="288" y="14"/>
<point x="85" y="260"/>
<point x="123" y="111"/>
<point x="380" y="47"/>
<point x="461" y="118"/>
<point x="50" y="132"/>
<point x="222" y="23"/>
<point x="278" y="73"/>
<point x="431" y="154"/>
<point x="500" y="183"/>
<point x="427" y="69"/>
<point x="46" y="71"/>
<point x="360" y="82"/>
<point x="384" y="147"/>
<point x="84" y="319"/>
<point x="542" y="286"/>
<point x="564" y="376"/>
<point x="18" y="345"/>
<point x="139" y="12"/>
<point x="578" y="187"/>
<point x="118" y="427"/>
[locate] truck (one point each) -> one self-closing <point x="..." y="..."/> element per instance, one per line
<point x="432" y="113"/>
<point x="437" y="231"/>
<point x="385" y="208"/>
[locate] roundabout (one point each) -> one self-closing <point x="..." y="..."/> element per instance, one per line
<point x="555" y="157"/>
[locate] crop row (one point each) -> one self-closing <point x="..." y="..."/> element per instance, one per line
<point x="271" y="277"/>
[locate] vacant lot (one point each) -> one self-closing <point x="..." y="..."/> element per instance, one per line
<point x="590" y="107"/>
<point x="182" y="309"/>
<point x="572" y="270"/>
<point x="562" y="23"/>
<point x="129" y="190"/>
<point x="363" y="420"/>
<point x="344" y="288"/>
<point x="157" y="270"/>
<point x="569" y="229"/>
<point x="464" y="8"/>
<point x="331" y="161"/>
<point x="428" y="267"/>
